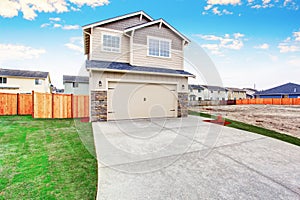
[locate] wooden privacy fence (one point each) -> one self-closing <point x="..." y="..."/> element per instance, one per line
<point x="270" y="101"/>
<point x="42" y="105"/>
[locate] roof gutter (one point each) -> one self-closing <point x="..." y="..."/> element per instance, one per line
<point x="141" y="72"/>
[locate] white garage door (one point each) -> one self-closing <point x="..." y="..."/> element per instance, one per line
<point x="140" y="100"/>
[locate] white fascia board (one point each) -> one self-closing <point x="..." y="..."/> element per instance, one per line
<point x="116" y="19"/>
<point x="155" y="22"/>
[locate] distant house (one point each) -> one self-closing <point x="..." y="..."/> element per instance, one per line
<point x="207" y="92"/>
<point x="289" y="90"/>
<point x="76" y="85"/>
<point x="24" y="81"/>
<point x="236" y="93"/>
<point x="250" y="92"/>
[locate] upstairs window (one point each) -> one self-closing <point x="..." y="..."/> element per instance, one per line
<point x="38" y="82"/>
<point x="3" y="80"/>
<point x="111" y="43"/>
<point x="159" y="47"/>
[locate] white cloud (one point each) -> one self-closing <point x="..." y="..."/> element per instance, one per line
<point x="45" y="25"/>
<point x="216" y="11"/>
<point x="57" y="25"/>
<point x="290" y="44"/>
<point x="30" y="8"/>
<point x="208" y="7"/>
<point x="92" y="3"/>
<point x="217" y="43"/>
<point x="70" y="27"/>
<point x="262" y="46"/>
<point x="18" y="52"/>
<point x="285" y="48"/>
<point x="56" y="19"/>
<point x="223" y="2"/>
<point x="75" y="44"/>
<point x="297" y="36"/>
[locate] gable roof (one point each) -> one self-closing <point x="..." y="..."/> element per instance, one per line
<point x="235" y="89"/>
<point x="215" y="88"/>
<point x="196" y="87"/>
<point x="160" y="21"/>
<point x="23" y="73"/>
<point x="117" y="18"/>
<point x="87" y="28"/>
<point x="77" y="79"/>
<point x="125" y="68"/>
<point x="288" y="88"/>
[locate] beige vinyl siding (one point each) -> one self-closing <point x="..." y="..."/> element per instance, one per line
<point x="140" y="35"/>
<point x="106" y="76"/>
<point x="25" y="85"/>
<point x="98" y="54"/>
<point x="141" y="58"/>
<point x="125" y="23"/>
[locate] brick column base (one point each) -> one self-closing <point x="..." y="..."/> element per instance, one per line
<point x="98" y="106"/>
<point x="182" y="104"/>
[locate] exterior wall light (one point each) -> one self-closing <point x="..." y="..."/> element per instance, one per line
<point x="100" y="83"/>
<point x="183" y="86"/>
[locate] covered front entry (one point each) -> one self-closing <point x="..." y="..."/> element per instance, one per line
<point x="126" y="100"/>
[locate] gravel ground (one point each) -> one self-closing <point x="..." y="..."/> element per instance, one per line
<point x="283" y="119"/>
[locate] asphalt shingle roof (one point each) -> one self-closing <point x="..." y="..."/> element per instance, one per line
<point x="77" y="79"/>
<point x="23" y="73"/>
<point x="289" y="88"/>
<point x="93" y="64"/>
<point x="196" y="87"/>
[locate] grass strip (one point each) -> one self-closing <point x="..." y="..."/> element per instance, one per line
<point x="253" y="129"/>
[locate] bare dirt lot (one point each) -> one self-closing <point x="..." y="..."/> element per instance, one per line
<point x="283" y="119"/>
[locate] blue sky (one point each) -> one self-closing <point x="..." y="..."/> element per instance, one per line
<point x="250" y="42"/>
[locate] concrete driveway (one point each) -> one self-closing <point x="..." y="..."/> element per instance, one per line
<point x="186" y="158"/>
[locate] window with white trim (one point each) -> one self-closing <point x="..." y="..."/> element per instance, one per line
<point x="3" y="80"/>
<point x="38" y="81"/>
<point x="111" y="43"/>
<point x="159" y="47"/>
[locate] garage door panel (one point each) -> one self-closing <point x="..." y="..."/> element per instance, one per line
<point x="137" y="100"/>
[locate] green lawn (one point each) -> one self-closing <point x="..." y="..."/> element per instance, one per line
<point x="254" y="129"/>
<point x="46" y="159"/>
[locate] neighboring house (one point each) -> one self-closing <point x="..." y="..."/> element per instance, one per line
<point x="136" y="68"/>
<point x="289" y="90"/>
<point x="250" y="92"/>
<point x="215" y="92"/>
<point x="236" y="93"/>
<point x="24" y="81"/>
<point x="207" y="92"/>
<point x="196" y="93"/>
<point x="76" y="85"/>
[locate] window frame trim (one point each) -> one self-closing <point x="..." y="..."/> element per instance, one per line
<point x="159" y="39"/>
<point x="2" y="77"/>
<point x="111" y="34"/>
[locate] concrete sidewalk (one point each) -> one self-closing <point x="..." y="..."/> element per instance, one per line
<point x="190" y="159"/>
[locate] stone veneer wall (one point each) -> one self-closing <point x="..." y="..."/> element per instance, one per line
<point x="98" y="106"/>
<point x="182" y="104"/>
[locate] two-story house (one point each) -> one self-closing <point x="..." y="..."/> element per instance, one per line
<point x="236" y="93"/>
<point x="78" y="85"/>
<point x="24" y="81"/>
<point x="136" y="68"/>
<point x="207" y="93"/>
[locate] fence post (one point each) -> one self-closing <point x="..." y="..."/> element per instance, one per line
<point x="18" y="104"/>
<point x="52" y="107"/>
<point x="32" y="93"/>
<point x="72" y="105"/>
